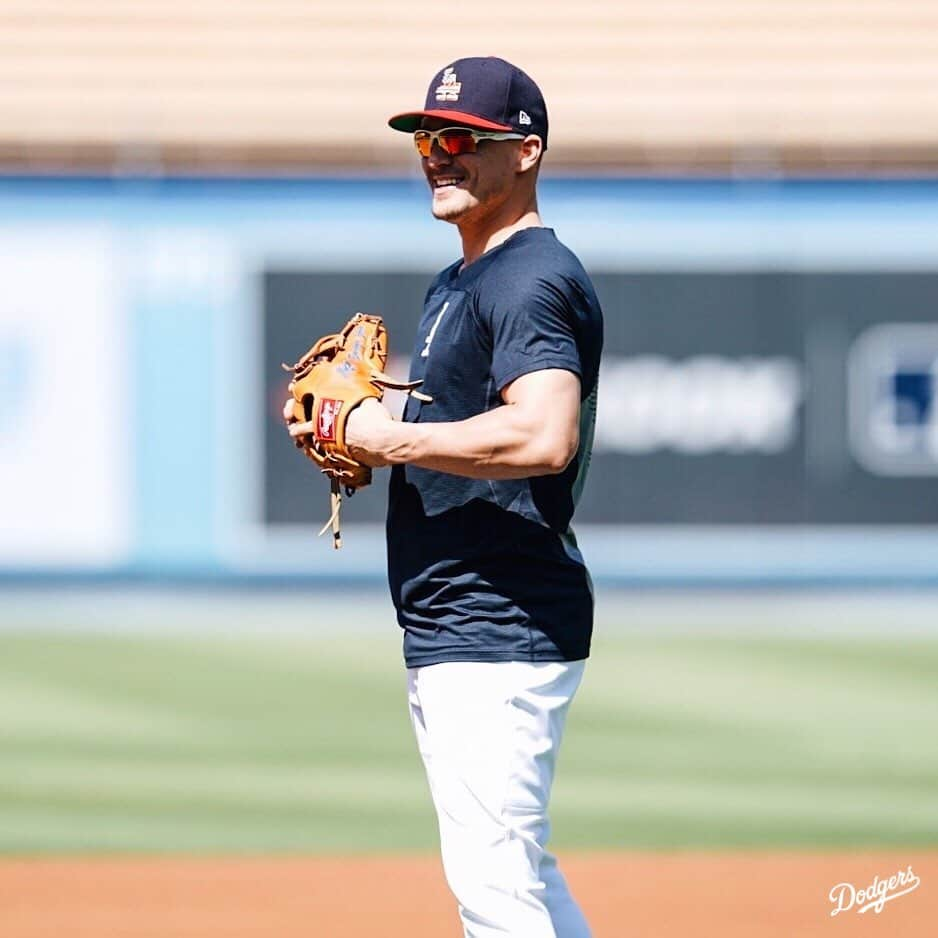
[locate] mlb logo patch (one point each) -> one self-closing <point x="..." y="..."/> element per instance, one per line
<point x="893" y="399"/>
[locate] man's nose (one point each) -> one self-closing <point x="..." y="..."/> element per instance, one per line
<point x="438" y="156"/>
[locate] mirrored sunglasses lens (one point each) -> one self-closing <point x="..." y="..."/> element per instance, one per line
<point x="423" y="142"/>
<point x="457" y="141"/>
<point x="454" y="141"/>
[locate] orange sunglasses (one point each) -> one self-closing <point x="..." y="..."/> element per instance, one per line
<point x="457" y="140"/>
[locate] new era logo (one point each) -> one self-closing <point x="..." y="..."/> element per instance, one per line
<point x="523" y="117"/>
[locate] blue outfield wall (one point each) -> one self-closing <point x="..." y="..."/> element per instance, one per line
<point x="184" y="261"/>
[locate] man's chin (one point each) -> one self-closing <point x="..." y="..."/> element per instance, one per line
<point x="449" y="207"/>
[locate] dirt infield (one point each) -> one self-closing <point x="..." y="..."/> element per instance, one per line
<point x="632" y="895"/>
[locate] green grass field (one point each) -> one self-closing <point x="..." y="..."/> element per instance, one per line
<point x="288" y="744"/>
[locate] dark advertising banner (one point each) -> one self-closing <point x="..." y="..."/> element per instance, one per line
<point x="725" y="398"/>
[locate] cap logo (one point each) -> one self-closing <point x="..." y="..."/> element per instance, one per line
<point x="523" y="117"/>
<point x="448" y="88"/>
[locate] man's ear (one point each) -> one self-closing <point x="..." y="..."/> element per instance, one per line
<point x="529" y="152"/>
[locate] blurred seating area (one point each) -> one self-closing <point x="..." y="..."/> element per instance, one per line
<point x="674" y="86"/>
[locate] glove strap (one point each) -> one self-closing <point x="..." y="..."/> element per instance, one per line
<point x="335" y="499"/>
<point x="383" y="381"/>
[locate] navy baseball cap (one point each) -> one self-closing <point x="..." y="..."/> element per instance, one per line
<point x="488" y="93"/>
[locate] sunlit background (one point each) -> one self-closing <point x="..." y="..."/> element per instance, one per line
<point x="192" y="193"/>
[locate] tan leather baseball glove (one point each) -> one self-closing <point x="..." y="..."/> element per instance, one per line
<point x="329" y="382"/>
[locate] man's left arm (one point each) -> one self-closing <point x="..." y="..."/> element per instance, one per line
<point x="534" y="432"/>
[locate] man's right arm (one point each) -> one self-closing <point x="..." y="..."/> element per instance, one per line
<point x="535" y="432"/>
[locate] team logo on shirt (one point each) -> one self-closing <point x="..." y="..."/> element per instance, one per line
<point x="328" y="411"/>
<point x="448" y="88"/>
<point x="432" y="332"/>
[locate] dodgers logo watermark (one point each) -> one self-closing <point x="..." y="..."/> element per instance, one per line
<point x="845" y="896"/>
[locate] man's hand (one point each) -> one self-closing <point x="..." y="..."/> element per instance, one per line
<point x="367" y="431"/>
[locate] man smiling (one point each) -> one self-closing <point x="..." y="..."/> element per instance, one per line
<point x="489" y="585"/>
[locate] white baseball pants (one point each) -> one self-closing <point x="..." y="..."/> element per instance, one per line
<point x="489" y="734"/>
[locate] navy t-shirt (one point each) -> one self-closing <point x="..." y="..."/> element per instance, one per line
<point x="489" y="570"/>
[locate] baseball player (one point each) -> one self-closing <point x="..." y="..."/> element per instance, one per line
<point x="489" y="586"/>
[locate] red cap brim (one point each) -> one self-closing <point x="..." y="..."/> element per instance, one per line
<point x="410" y="121"/>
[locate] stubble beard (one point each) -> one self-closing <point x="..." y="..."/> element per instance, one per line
<point x="453" y="208"/>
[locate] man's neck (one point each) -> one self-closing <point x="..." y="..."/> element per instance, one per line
<point x="476" y="241"/>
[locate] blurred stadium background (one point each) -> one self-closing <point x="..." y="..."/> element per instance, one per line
<point x="190" y="193"/>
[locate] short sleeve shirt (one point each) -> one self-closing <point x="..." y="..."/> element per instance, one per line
<point x="488" y="570"/>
